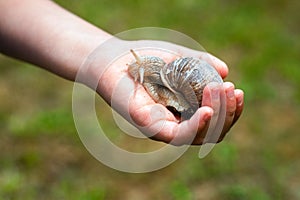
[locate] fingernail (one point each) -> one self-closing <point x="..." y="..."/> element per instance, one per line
<point x="240" y="97"/>
<point x="230" y="93"/>
<point x="206" y="118"/>
<point x="215" y="93"/>
<point x="240" y="102"/>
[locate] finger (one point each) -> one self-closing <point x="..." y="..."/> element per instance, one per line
<point x="202" y="130"/>
<point x="218" y="64"/>
<point x="155" y="122"/>
<point x="203" y="125"/>
<point x="149" y="115"/>
<point x="184" y="132"/>
<point x="239" y="94"/>
<point x="230" y="108"/>
<point x="212" y="95"/>
<point x="188" y="130"/>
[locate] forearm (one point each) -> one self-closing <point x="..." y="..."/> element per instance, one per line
<point x="42" y="33"/>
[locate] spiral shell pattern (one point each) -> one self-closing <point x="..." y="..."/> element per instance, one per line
<point x="177" y="85"/>
<point x="187" y="77"/>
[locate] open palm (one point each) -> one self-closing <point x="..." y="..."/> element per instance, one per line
<point x="132" y="101"/>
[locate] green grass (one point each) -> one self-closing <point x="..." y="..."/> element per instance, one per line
<point x="42" y="157"/>
<point x="180" y="191"/>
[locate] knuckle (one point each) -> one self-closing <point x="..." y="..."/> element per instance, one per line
<point x="230" y="113"/>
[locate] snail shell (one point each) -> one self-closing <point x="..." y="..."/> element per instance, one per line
<point x="177" y="85"/>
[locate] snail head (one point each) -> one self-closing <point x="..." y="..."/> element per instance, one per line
<point x="146" y="68"/>
<point x="137" y="68"/>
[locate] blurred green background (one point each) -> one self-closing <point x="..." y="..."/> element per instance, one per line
<point x="41" y="156"/>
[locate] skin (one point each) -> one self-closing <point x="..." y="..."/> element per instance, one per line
<point x="44" y="34"/>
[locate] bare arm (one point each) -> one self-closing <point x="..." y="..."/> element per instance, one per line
<point x="42" y="33"/>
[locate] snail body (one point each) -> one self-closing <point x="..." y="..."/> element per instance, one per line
<point x="177" y="85"/>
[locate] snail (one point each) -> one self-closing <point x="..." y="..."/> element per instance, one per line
<point x="177" y="85"/>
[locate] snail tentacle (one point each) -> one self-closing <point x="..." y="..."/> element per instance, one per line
<point x="139" y="60"/>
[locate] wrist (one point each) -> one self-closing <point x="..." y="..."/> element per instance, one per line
<point x="103" y="66"/>
<point x="78" y="53"/>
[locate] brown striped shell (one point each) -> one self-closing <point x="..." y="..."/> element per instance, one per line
<point x="178" y="85"/>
